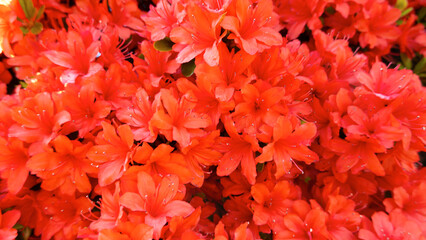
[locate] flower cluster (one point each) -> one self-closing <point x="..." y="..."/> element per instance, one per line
<point x="212" y="119"/>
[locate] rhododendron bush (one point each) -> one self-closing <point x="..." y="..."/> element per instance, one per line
<point x="212" y="119"/>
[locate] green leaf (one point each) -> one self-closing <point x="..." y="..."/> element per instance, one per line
<point x="24" y="30"/>
<point x="420" y="66"/>
<point x="40" y="13"/>
<point x="406" y="61"/>
<point x="20" y="20"/>
<point x="265" y="236"/>
<point x="164" y="45"/>
<point x="37" y="28"/>
<point x="421" y="14"/>
<point x="259" y="167"/>
<point x="26" y="233"/>
<point x="188" y="68"/>
<point x="141" y="56"/>
<point x="406" y="11"/>
<point x="330" y="10"/>
<point x="401" y="4"/>
<point x="307" y="179"/>
<point x="23" y="84"/>
<point x="28" y="8"/>
<point x="18" y="226"/>
<point x="201" y="195"/>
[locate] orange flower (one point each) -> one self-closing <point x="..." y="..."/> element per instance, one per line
<point x="272" y="203"/>
<point x="111" y="211"/>
<point x="78" y="60"/>
<point x="157" y="63"/>
<point x="127" y="230"/>
<point x="305" y="223"/>
<point x="297" y="14"/>
<point x="85" y="108"/>
<point x="164" y="17"/>
<point x="7" y="222"/>
<point x="13" y="159"/>
<point x="410" y="201"/>
<point x="237" y="149"/>
<point x="377" y="25"/>
<point x="176" y="120"/>
<point x="158" y="201"/>
<point x="113" y="152"/>
<point x="140" y="115"/>
<point x="343" y="220"/>
<point x="207" y="100"/>
<point x="358" y="154"/>
<point x="252" y="26"/>
<point x="258" y="104"/>
<point x="199" y="33"/>
<point x="228" y="76"/>
<point x="63" y="166"/>
<point x="38" y="120"/>
<point x="289" y="142"/>
<point x="161" y="161"/>
<point x="199" y="155"/>
<point x="386" y="83"/>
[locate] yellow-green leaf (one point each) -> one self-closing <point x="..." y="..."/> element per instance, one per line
<point x="188" y="68"/>
<point x="401" y="4"/>
<point x="164" y="45"/>
<point x="40" y="13"/>
<point x="37" y="28"/>
<point x="28" y="8"/>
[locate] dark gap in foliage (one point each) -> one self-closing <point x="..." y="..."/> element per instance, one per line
<point x="143" y="5"/>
